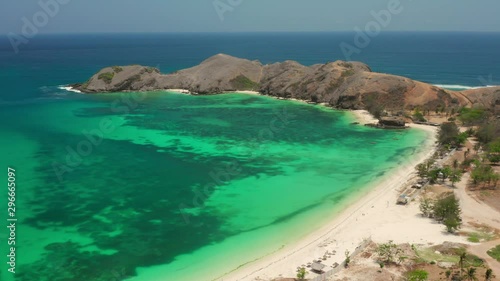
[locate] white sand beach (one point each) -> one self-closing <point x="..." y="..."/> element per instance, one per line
<point x="374" y="216"/>
<point x="183" y="91"/>
<point x="364" y="117"/>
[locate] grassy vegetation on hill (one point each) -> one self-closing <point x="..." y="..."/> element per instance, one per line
<point x="472" y="116"/>
<point x="106" y="77"/>
<point x="244" y="83"/>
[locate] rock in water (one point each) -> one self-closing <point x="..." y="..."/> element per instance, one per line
<point x="392" y="122"/>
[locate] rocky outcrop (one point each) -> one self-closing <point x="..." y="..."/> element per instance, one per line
<point x="392" y="121"/>
<point x="389" y="123"/>
<point x="348" y="85"/>
<point x="122" y="78"/>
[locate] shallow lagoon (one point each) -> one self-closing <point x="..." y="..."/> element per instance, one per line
<point x="181" y="186"/>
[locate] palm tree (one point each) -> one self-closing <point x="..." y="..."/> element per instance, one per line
<point x="489" y="275"/>
<point x="471" y="274"/>
<point x="461" y="262"/>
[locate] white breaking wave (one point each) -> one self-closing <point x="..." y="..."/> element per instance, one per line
<point x="462" y="87"/>
<point x="69" y="89"/>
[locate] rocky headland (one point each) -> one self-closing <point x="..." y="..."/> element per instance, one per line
<point x="340" y="84"/>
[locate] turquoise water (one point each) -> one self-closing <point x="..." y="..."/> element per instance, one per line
<point x="191" y="187"/>
<point x="145" y="186"/>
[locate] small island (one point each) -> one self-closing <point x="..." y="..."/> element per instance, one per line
<point x="339" y="84"/>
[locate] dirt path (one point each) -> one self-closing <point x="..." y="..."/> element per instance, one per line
<point x="480" y="213"/>
<point x="474" y="210"/>
<point x="481" y="250"/>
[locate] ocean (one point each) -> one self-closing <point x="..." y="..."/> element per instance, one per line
<point x="167" y="186"/>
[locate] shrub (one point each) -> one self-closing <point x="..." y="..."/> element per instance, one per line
<point x="470" y="116"/>
<point x="418" y="275"/>
<point x="474" y="261"/>
<point x="495" y="253"/>
<point x="301" y="273"/>
<point x="244" y="83"/>
<point x="151" y="70"/>
<point x="419" y="116"/>
<point x="347" y="260"/>
<point x="389" y="252"/>
<point x="106" y="77"/>
<point x="346" y="64"/>
<point x="348" y="73"/>
<point x="426" y="206"/>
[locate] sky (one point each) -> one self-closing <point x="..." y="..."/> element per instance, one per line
<point x="130" y="16"/>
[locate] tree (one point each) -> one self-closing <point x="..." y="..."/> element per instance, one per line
<point x="461" y="138"/>
<point x="447" y="209"/>
<point x="452" y="224"/>
<point x="461" y="262"/>
<point x="446" y="171"/>
<point x="448" y="133"/>
<point x="419" y="116"/>
<point x="301" y="273"/>
<point x="488" y="275"/>
<point x="422" y="170"/>
<point x="489" y="131"/>
<point x="484" y="174"/>
<point x="471" y="274"/>
<point x="494" y="151"/>
<point x="434" y="175"/>
<point x="418" y="275"/>
<point x="455" y="176"/>
<point x="426" y="206"/>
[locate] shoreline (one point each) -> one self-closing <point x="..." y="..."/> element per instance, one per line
<point x="369" y="214"/>
<point x="373" y="215"/>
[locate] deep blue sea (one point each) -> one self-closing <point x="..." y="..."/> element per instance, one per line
<point x="467" y="59"/>
<point x="181" y="187"/>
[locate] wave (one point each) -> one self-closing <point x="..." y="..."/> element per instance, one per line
<point x="462" y="87"/>
<point x="69" y="89"/>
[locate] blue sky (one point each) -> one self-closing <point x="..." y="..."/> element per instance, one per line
<point x="77" y="16"/>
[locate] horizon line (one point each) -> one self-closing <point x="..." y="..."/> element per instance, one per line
<point x="250" y="32"/>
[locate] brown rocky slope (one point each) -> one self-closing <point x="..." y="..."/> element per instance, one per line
<point x="348" y="85"/>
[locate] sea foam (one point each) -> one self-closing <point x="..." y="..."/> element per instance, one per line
<point x="69" y="89"/>
<point x="462" y="87"/>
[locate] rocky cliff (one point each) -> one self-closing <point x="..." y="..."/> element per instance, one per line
<point x="349" y="85"/>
